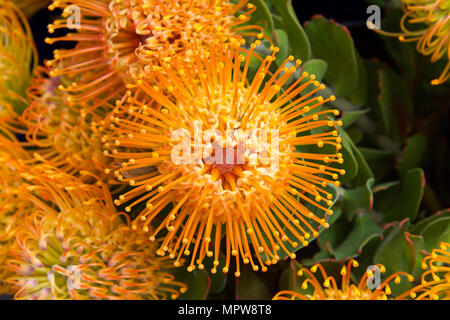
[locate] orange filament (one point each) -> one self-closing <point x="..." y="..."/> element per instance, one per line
<point x="74" y="237"/>
<point x="118" y="48"/>
<point x="18" y="57"/>
<point x="327" y="287"/>
<point x="256" y="205"/>
<point x="433" y="39"/>
<point x="435" y="281"/>
<point x="62" y="134"/>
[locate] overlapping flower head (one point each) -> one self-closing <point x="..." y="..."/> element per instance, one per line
<point x="12" y="210"/>
<point x="427" y="22"/>
<point x="57" y="132"/>
<point x="75" y="246"/>
<point x="200" y="162"/>
<point x="435" y="284"/>
<point x="18" y="57"/>
<point x="122" y="42"/>
<point x="328" y="288"/>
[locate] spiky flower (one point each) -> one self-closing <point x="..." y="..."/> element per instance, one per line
<point x="60" y="134"/>
<point x="435" y="282"/>
<point x="327" y="288"/>
<point x="121" y="42"/>
<point x="427" y="22"/>
<point x="74" y="246"/>
<point x="18" y="57"/>
<point x="12" y="210"/>
<point x="259" y="181"/>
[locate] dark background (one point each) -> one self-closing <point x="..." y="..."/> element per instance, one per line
<point x="350" y="13"/>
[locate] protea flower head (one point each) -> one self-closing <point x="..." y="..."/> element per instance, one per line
<point x="18" y="57"/>
<point x="427" y="22"/>
<point x="12" y="210"/>
<point x="435" y="282"/>
<point x="74" y="246"/>
<point x="122" y="42"/>
<point x="225" y="161"/>
<point x="327" y="288"/>
<point x="60" y="134"/>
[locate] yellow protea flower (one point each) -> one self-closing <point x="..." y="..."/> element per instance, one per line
<point x="427" y="22"/>
<point x="12" y="210"/>
<point x="63" y="137"/>
<point x="30" y="7"/>
<point x="18" y="57"/>
<point x="74" y="246"/>
<point x="122" y="42"/>
<point x="258" y="205"/>
<point x="328" y="287"/>
<point x="435" y="284"/>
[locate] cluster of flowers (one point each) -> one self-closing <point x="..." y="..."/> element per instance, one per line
<point x="91" y="204"/>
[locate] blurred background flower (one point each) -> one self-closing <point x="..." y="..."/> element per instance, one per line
<point x="73" y="245"/>
<point x="328" y="288"/>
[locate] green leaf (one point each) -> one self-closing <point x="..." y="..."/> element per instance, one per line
<point x="413" y="153"/>
<point x="331" y="238"/>
<point x="197" y="281"/>
<point x="401" y="251"/>
<point x="282" y="40"/>
<point x="250" y="287"/>
<point x="364" y="229"/>
<point x="363" y="170"/>
<point x="359" y="95"/>
<point x="390" y="253"/>
<point x="349" y="117"/>
<point x="333" y="43"/>
<point x="435" y="229"/>
<point x="407" y="201"/>
<point x="262" y="17"/>
<point x="380" y="161"/>
<point x="436" y="232"/>
<point x="395" y="103"/>
<point x="358" y="199"/>
<point x="422" y="224"/>
<point x="385" y="195"/>
<point x="350" y="164"/>
<point x="298" y="40"/>
<point x="317" y="67"/>
<point x="365" y="254"/>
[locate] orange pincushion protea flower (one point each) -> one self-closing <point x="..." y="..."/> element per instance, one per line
<point x="12" y="210"/>
<point x="329" y="290"/>
<point x="18" y="57"/>
<point x="433" y="35"/>
<point x="259" y="206"/>
<point x="121" y="42"/>
<point x="74" y="246"/>
<point x="63" y="136"/>
<point x="436" y="277"/>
